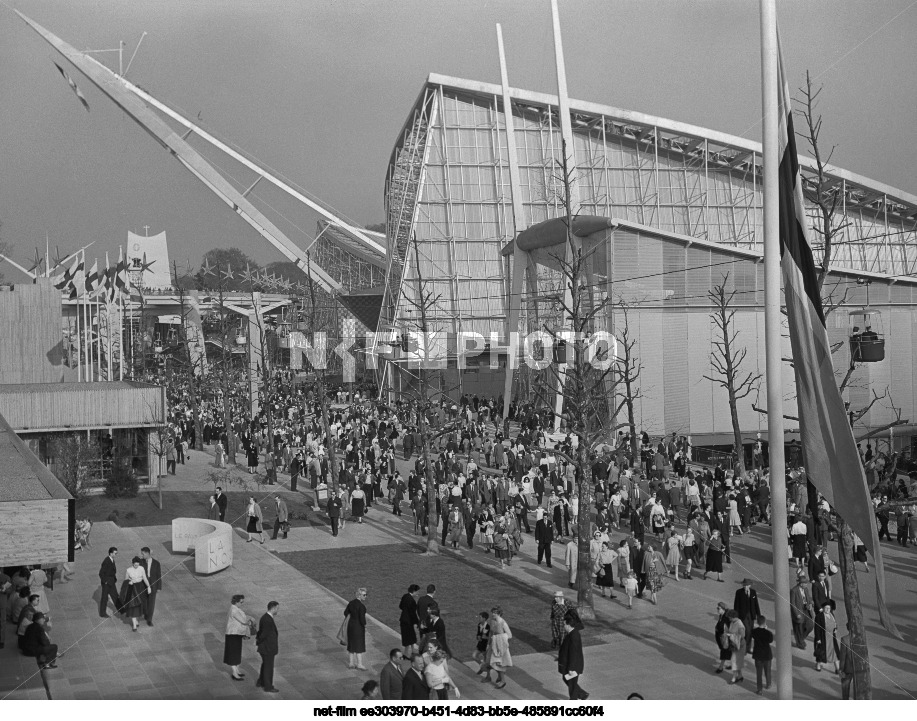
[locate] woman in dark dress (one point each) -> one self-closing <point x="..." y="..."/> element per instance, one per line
<point x="355" y="613"/>
<point x="409" y="621"/>
<point x="714" y="557"/>
<point x="721" y="634"/>
<point x="252" y="457"/>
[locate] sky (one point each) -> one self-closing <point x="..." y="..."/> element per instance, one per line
<point x="318" y="90"/>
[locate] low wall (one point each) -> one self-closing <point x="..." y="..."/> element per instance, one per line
<point x="210" y="541"/>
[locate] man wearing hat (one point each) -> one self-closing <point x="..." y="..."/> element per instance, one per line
<point x="37" y="644"/>
<point x="802" y="610"/>
<point x="825" y="628"/>
<point x="746" y="607"/>
<point x="544" y="537"/>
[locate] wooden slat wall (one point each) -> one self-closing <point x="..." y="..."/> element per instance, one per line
<point x="30" y="326"/>
<point x="34" y="532"/>
<point x="94" y="405"/>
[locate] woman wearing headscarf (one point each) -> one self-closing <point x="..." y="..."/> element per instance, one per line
<point x="355" y="614"/>
<point x="255" y="519"/>
<point x="238" y="627"/>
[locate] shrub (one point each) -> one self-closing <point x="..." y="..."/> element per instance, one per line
<point x="113" y="517"/>
<point x="123" y="483"/>
<point x="130" y="515"/>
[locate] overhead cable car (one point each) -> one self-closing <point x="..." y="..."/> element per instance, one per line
<point x="867" y="337"/>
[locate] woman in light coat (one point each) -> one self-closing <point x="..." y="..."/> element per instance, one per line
<point x="255" y="518"/>
<point x="498" y="657"/>
<point x="37" y="580"/>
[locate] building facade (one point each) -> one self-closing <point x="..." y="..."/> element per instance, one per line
<point x="687" y="202"/>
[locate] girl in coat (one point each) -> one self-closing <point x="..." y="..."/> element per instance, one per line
<point x="255" y="518"/>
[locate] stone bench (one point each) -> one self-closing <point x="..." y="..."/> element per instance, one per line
<point x="210" y="541"/>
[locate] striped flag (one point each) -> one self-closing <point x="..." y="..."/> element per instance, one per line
<point x="74" y="87"/>
<point x="78" y="279"/>
<point x="832" y="462"/>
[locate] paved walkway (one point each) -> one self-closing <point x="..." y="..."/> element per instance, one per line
<point x="663" y="651"/>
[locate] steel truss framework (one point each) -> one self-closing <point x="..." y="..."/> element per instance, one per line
<point x="448" y="187"/>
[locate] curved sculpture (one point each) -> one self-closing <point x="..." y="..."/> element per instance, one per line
<point x="211" y="542"/>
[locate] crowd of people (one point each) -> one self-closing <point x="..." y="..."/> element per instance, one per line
<point x="654" y="516"/>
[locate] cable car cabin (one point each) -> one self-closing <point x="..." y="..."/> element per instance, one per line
<point x="867" y="339"/>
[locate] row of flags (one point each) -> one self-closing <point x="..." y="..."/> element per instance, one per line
<point x="106" y="283"/>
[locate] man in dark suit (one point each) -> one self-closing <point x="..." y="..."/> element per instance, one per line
<point x="154" y="575"/>
<point x="424" y="604"/>
<point x="570" y="662"/>
<point x="334" y="512"/>
<point x="821" y="590"/>
<point x="268" y="647"/>
<point x="544" y="536"/>
<point x="413" y="685"/>
<point x="747" y="608"/>
<point x="221" y="503"/>
<point x="391" y="677"/>
<point x="108" y="574"/>
<point x="37" y="644"/>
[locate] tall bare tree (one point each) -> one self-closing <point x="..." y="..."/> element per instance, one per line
<point x="589" y="383"/>
<point x="826" y="195"/>
<point x="726" y="359"/>
<point x="628" y="368"/>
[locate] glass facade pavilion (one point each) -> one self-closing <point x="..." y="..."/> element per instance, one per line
<point x="448" y="188"/>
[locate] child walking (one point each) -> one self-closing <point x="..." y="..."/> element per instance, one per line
<point x="481" y="639"/>
<point x="630" y="588"/>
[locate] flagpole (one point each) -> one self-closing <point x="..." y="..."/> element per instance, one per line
<point x="773" y="343"/>
<point x="76" y="336"/>
<point x="120" y="292"/>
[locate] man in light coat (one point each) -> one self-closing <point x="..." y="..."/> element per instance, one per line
<point x="571" y="559"/>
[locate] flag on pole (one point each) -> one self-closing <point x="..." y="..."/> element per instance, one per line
<point x="78" y="278"/>
<point x="74" y="87"/>
<point x="92" y="278"/>
<point x="63" y="282"/>
<point x="832" y="462"/>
